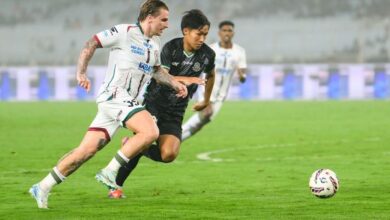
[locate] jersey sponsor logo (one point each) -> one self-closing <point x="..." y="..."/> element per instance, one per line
<point x="113" y="30"/>
<point x="175" y="63"/>
<point x="110" y="31"/>
<point x="196" y="67"/>
<point x="145" y="67"/>
<point x="137" y="50"/>
<point x="186" y="62"/>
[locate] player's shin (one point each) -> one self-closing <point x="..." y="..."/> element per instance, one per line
<point x="126" y="170"/>
<point x="119" y="160"/>
<point x="52" y="179"/>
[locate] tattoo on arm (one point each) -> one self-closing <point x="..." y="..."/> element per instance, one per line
<point x="86" y="55"/>
<point x="163" y="77"/>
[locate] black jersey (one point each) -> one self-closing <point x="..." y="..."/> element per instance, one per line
<point x="174" y="58"/>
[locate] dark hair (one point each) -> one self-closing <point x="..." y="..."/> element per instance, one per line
<point x="151" y="7"/>
<point x="223" y="23"/>
<point x="194" y="19"/>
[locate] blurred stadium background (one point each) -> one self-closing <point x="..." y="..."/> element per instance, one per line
<point x="297" y="49"/>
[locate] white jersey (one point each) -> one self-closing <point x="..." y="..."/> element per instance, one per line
<point x="131" y="61"/>
<point x="227" y="62"/>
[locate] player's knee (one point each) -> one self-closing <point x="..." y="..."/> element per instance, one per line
<point x="153" y="135"/>
<point x="168" y="156"/>
<point x="150" y="136"/>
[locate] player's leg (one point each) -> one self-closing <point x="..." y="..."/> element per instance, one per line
<point x="123" y="173"/>
<point x="168" y="144"/>
<point x="200" y="119"/>
<point x="165" y="150"/>
<point x="146" y="132"/>
<point x="92" y="142"/>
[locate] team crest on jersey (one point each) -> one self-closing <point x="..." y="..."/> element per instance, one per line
<point x="196" y="67"/>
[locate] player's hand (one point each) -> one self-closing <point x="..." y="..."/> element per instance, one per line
<point x="242" y="78"/>
<point x="192" y="80"/>
<point x="201" y="105"/>
<point x="83" y="81"/>
<point x="181" y="90"/>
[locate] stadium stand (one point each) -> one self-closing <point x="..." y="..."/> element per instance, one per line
<point x="273" y="31"/>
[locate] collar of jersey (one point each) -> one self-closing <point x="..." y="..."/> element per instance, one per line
<point x="140" y="28"/>
<point x="142" y="32"/>
<point x="188" y="55"/>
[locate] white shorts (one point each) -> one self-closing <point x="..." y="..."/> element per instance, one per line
<point x="113" y="114"/>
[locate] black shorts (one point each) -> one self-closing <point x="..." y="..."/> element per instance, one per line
<point x="167" y="122"/>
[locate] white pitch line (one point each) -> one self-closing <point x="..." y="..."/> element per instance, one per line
<point x="206" y="156"/>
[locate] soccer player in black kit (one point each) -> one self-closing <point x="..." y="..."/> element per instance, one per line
<point x="186" y="59"/>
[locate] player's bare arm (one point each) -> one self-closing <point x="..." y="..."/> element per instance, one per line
<point x="242" y="74"/>
<point x="163" y="77"/>
<point x="209" y="88"/>
<point x="188" y="80"/>
<point x="82" y="64"/>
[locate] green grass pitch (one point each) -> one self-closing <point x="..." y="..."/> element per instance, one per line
<point x="259" y="157"/>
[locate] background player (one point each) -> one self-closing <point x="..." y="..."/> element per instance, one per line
<point x="186" y="58"/>
<point x="230" y="58"/>
<point x="132" y="62"/>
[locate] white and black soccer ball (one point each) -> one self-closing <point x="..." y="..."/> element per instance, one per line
<point x="323" y="183"/>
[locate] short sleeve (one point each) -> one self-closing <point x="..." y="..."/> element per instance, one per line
<point x="211" y="64"/>
<point x="242" y="59"/>
<point x="111" y="37"/>
<point x="166" y="56"/>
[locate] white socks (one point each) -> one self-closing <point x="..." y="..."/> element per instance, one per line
<point x="53" y="178"/>
<point x="119" y="160"/>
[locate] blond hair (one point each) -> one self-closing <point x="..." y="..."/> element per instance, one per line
<point x="151" y="7"/>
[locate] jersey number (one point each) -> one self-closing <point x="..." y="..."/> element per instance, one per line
<point x="131" y="103"/>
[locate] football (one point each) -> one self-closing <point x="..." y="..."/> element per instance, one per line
<point x="323" y="183"/>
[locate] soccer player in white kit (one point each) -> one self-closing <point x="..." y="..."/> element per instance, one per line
<point x="134" y="59"/>
<point x="230" y="59"/>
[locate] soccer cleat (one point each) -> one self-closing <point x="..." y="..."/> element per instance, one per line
<point x="40" y="196"/>
<point x="107" y="178"/>
<point x="116" y="194"/>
